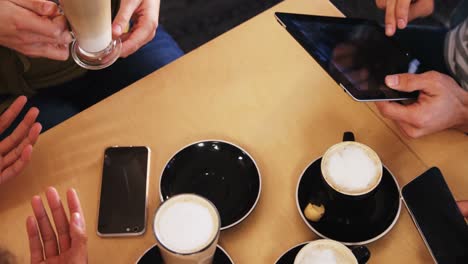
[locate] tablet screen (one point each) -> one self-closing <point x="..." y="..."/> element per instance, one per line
<point x="355" y="52"/>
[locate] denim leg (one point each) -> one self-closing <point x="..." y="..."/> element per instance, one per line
<point x="58" y="103"/>
<point x="53" y="111"/>
<point x="155" y="54"/>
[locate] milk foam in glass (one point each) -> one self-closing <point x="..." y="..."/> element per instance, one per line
<point x="187" y="228"/>
<point x="91" y="23"/>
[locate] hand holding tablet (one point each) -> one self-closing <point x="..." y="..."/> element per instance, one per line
<point x="355" y="52"/>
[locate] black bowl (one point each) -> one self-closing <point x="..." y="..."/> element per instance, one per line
<point x="223" y="173"/>
<point x="352" y="222"/>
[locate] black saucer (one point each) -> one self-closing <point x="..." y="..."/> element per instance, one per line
<point x="356" y="222"/>
<point x="153" y="256"/>
<point x="289" y="256"/>
<point x="219" y="171"/>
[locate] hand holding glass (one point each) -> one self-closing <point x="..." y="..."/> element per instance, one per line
<point x="91" y="22"/>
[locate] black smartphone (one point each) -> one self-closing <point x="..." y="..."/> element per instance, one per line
<point x="437" y="217"/>
<point x="124" y="191"/>
<point x="355" y="52"/>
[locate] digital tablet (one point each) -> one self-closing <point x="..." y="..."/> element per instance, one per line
<point x="355" y="52"/>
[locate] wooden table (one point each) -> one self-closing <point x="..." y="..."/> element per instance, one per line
<point x="254" y="86"/>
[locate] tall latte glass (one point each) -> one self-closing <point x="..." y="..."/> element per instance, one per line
<point x="186" y="228"/>
<point x="91" y="22"/>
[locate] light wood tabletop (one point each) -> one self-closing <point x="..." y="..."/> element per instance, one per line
<point x="256" y="87"/>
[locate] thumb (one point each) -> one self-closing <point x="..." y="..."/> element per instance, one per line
<point x="78" y="235"/>
<point x="406" y="82"/>
<point x="122" y="19"/>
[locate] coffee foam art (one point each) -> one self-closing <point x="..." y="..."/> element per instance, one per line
<point x="323" y="256"/>
<point x="325" y="252"/>
<point x="186" y="224"/>
<point x="352" y="168"/>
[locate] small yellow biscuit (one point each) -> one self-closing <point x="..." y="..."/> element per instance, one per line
<point x="313" y="212"/>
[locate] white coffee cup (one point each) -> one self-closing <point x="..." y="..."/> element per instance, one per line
<point x="351" y="168"/>
<point x="325" y="251"/>
<point x="186" y="228"/>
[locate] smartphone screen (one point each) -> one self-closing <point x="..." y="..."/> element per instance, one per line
<point x="437" y="217"/>
<point x="122" y="207"/>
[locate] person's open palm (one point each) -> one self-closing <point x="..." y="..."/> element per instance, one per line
<point x="144" y="15"/>
<point x="16" y="148"/>
<point x="69" y="245"/>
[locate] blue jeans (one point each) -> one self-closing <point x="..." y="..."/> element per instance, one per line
<point x="58" y="103"/>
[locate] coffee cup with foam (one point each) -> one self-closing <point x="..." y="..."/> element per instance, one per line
<point x="187" y="228"/>
<point x="351" y="168"/>
<point x="326" y="251"/>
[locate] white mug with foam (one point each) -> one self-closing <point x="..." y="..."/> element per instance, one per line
<point x="351" y="168"/>
<point x="186" y="228"/>
<point x="325" y="251"/>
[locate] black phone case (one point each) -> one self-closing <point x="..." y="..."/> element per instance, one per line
<point x="452" y="224"/>
<point x="136" y="226"/>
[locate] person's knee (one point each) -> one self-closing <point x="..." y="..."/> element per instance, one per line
<point x="161" y="50"/>
<point x="157" y="53"/>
